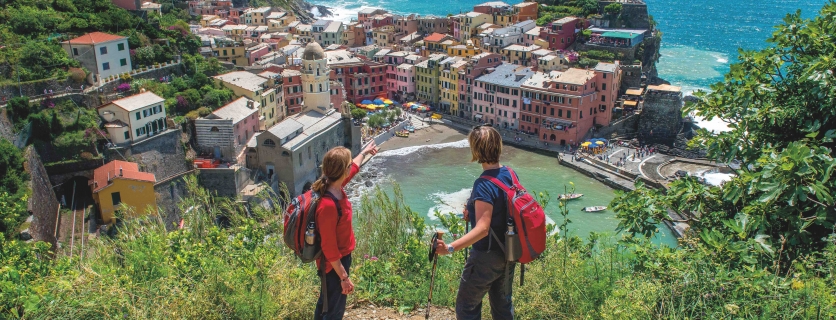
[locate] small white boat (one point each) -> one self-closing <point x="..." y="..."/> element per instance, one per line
<point x="594" y="209"/>
<point x="570" y="196"/>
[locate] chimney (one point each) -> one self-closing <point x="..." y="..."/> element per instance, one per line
<point x="250" y="104"/>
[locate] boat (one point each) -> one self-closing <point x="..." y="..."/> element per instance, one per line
<point x="402" y="133"/>
<point x="595" y="209"/>
<point x="571" y="196"/>
<point x="411" y="129"/>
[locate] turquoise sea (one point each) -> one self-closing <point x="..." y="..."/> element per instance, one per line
<point x="700" y="38"/>
<point x="440" y="177"/>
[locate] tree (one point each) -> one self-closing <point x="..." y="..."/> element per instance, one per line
<point x="613" y="8"/>
<point x="779" y="103"/>
<point x="357" y="113"/>
<point x="19" y="108"/>
<point x="12" y="176"/>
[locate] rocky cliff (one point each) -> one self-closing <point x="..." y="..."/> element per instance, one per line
<point x="300" y="8"/>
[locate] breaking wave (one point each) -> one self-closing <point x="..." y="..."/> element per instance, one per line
<point x="408" y="150"/>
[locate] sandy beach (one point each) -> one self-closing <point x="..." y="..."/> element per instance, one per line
<point x="435" y="134"/>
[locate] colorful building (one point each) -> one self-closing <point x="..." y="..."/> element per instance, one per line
<point x="103" y="54"/>
<point x="561" y="107"/>
<point x="518" y="54"/>
<point x="524" y="11"/>
<point x="450" y="70"/>
<point x="259" y="89"/>
<point x="225" y="131"/>
<point x="560" y="34"/>
<point x="134" y="118"/>
<point x="427" y="74"/>
<point x="497" y="96"/>
<point x="477" y="66"/>
<point x="465" y="51"/>
<point x="119" y="183"/>
<point x="469" y="24"/>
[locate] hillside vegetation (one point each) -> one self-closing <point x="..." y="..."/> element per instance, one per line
<point x="761" y="246"/>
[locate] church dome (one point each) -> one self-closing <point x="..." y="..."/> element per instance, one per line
<point x="313" y="51"/>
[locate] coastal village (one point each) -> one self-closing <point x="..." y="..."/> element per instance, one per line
<point x="583" y="89"/>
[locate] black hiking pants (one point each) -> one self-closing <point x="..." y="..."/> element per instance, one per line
<point x="485" y="272"/>
<point x="336" y="298"/>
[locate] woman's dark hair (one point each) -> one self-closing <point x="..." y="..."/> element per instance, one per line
<point x="485" y="144"/>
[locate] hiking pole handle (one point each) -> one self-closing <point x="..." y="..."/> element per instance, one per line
<point x="434" y="258"/>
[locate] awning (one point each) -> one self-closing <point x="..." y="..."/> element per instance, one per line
<point x="630" y="103"/>
<point x="619" y="35"/>
<point x="635" y="92"/>
<point x="478" y="116"/>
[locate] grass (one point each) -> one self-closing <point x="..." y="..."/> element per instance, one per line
<point x="245" y="272"/>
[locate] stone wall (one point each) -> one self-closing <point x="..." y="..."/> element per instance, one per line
<point x="162" y="155"/>
<point x="43" y="204"/>
<point x="169" y="192"/>
<point x="633" y="15"/>
<point x="631" y="77"/>
<point x="623" y="126"/>
<point x="661" y="117"/>
<point x="226" y="182"/>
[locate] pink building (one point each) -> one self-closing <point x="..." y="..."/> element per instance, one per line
<point x="560" y="34"/>
<point x="497" y="96"/>
<point x="477" y="66"/>
<point x="561" y="107"/>
<point x="404" y="87"/>
<point x="455" y="25"/>
<point x="256" y="51"/>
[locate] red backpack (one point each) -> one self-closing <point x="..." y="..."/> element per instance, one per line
<point x="528" y="218"/>
<point x="299" y="217"/>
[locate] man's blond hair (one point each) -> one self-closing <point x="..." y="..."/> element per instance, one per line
<point x="485" y="144"/>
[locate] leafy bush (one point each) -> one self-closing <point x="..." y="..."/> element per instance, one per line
<point x="587" y="62"/>
<point x="613" y="8"/>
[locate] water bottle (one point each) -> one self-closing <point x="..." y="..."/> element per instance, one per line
<point x="310" y="237"/>
<point x="309" y="249"/>
<point x="513" y="251"/>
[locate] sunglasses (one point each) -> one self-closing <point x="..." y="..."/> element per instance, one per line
<point x="482" y="125"/>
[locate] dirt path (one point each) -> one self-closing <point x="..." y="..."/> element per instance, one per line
<point x="370" y="311"/>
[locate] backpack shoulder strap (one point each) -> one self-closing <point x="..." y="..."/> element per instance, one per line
<point x="336" y="203"/>
<point x="499" y="184"/>
<point x="513" y="176"/>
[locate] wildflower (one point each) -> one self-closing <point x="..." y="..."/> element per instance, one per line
<point x="374" y="258"/>
<point x="797" y="285"/>
<point x="732" y="308"/>
<point x="365" y="256"/>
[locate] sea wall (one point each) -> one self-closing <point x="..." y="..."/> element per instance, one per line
<point x="621" y="127"/>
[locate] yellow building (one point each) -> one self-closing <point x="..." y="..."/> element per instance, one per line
<point x="258" y="89"/>
<point x="121" y="182"/>
<point x="384" y="36"/>
<point x="204" y="20"/>
<point x="448" y="82"/>
<point x="230" y="51"/>
<point x="470" y="22"/>
<point x="465" y="51"/>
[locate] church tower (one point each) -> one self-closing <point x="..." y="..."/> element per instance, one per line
<point x="316" y="87"/>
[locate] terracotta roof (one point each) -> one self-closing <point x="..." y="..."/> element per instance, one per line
<point x="435" y="37"/>
<point x="103" y="175"/>
<point x="95" y="37"/>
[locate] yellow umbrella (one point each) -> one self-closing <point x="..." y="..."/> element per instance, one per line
<point x="387" y="101"/>
<point x="586" y="144"/>
<point x="371" y="107"/>
<point x="599" y="142"/>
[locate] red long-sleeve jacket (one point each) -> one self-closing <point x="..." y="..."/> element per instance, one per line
<point x="337" y="233"/>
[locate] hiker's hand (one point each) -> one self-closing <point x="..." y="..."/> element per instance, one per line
<point x="441" y="248"/>
<point x="348" y="286"/>
<point x="370" y="149"/>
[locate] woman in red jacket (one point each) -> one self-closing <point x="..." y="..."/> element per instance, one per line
<point x="335" y="229"/>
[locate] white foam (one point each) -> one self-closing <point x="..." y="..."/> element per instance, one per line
<point x="447" y="202"/>
<point x="407" y="150"/>
<point x="717" y="179"/>
<point x="715" y="125"/>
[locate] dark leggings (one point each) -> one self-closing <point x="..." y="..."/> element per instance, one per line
<point x="336" y="298"/>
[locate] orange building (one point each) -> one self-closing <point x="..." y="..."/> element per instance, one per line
<point x="121" y="182"/>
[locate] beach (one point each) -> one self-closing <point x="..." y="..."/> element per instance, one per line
<point x="434" y="134"/>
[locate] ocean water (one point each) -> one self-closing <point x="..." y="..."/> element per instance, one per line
<point x="700" y="38"/>
<point x="440" y="177"/>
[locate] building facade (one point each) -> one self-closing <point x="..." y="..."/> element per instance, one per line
<point x="258" y="89"/>
<point x="119" y="183"/>
<point x="225" y="131"/>
<point x="103" y="54"/>
<point x="134" y="118"/>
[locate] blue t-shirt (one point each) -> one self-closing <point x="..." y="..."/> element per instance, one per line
<point x="484" y="190"/>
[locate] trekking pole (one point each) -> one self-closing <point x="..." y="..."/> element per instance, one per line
<point x="434" y="258"/>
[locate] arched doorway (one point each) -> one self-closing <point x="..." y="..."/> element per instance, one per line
<point x="553" y="137"/>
